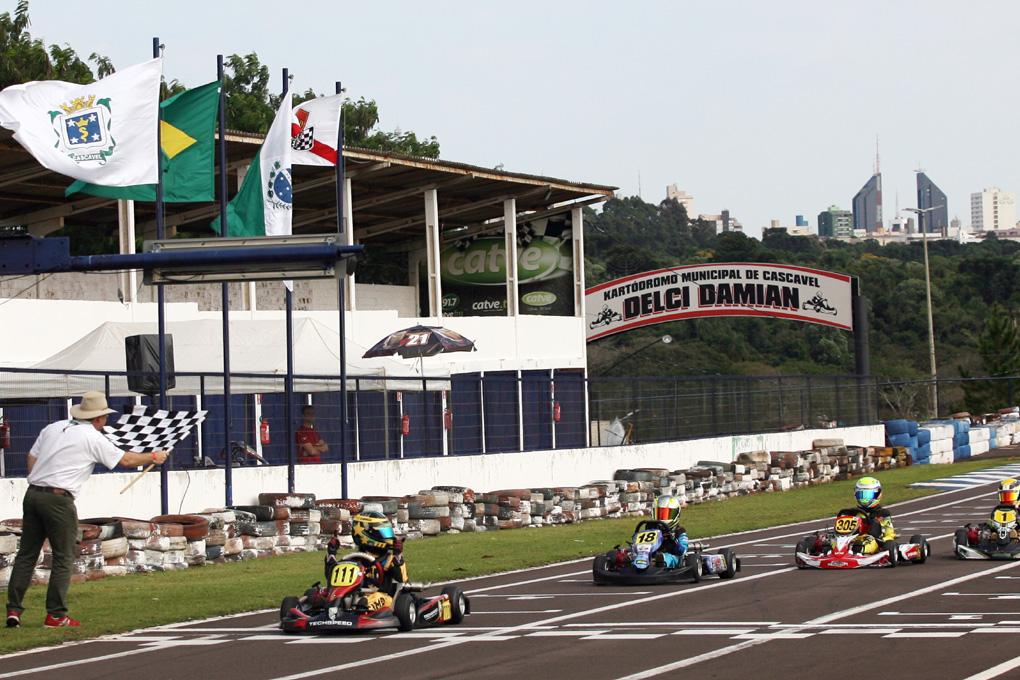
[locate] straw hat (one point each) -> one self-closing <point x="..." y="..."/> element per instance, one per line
<point x="93" y="405"/>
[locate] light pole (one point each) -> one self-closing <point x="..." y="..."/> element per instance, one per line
<point x="666" y="339"/>
<point x="931" y="326"/>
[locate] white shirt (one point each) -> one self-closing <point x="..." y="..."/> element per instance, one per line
<point x="66" y="452"/>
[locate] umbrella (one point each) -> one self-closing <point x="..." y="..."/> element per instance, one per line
<point x="420" y="341"/>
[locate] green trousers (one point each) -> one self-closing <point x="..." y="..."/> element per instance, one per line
<point x="45" y="516"/>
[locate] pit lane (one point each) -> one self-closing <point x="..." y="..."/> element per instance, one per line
<point x="947" y="618"/>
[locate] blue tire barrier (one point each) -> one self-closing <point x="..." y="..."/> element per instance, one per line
<point x="923" y="437"/>
<point x="901" y="439"/>
<point x="898" y="426"/>
<point x="912" y="427"/>
<point x="923" y="453"/>
<point x="961" y="439"/>
<point x="962" y="452"/>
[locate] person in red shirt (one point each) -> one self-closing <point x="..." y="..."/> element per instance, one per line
<point x="310" y="446"/>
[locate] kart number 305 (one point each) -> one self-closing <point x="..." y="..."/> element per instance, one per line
<point x="845" y="525"/>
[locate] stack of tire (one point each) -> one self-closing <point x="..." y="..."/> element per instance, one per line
<point x="114" y="544"/>
<point x="303" y="518"/>
<point x="901" y="432"/>
<point x="979" y="439"/>
<point x="940" y="437"/>
<point x="9" y="541"/>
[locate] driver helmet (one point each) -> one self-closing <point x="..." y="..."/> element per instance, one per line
<point x="372" y="532"/>
<point x="666" y="509"/>
<point x="868" y="493"/>
<point x="1009" y="492"/>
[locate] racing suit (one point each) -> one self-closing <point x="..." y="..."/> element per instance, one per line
<point x="876" y="527"/>
<point x="674" y="547"/>
<point x="382" y="578"/>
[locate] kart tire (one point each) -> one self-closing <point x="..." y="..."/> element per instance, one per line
<point x="262" y="513"/>
<point x="109" y="527"/>
<point x="600" y="564"/>
<point x="961" y="538"/>
<point x="923" y="549"/>
<point x="458" y="603"/>
<point x="802" y="547"/>
<point x="894" y="552"/>
<point x="693" y="561"/>
<point x="406" y="611"/>
<point x="288" y="603"/>
<point x="731" y="563"/>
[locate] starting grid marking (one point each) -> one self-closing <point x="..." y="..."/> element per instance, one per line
<point x="971" y="479"/>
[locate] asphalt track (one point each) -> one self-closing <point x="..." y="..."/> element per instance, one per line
<point x="946" y="619"/>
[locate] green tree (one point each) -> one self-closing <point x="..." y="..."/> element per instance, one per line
<point x="999" y="349"/>
<point x="23" y="58"/>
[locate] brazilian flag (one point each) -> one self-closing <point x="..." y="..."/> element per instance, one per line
<point x="187" y="130"/>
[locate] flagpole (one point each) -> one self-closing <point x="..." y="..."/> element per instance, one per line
<point x="221" y="154"/>
<point x="164" y="501"/>
<point x="341" y="300"/>
<point x="289" y="400"/>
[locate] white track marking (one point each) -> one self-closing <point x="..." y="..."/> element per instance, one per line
<point x="835" y="616"/>
<point x="996" y="671"/>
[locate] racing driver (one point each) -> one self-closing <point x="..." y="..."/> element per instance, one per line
<point x="876" y="521"/>
<point x="373" y="534"/>
<point x="666" y="509"/>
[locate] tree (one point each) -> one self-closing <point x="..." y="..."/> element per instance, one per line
<point x="23" y="59"/>
<point x="999" y="348"/>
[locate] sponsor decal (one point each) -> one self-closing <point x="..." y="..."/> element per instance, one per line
<point x="838" y="563"/>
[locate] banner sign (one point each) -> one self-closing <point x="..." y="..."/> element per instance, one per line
<point x="473" y="272"/>
<point x="728" y="289"/>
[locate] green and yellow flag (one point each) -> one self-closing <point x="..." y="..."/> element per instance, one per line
<point x="188" y="142"/>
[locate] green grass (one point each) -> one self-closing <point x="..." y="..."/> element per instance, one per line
<point x="116" y="605"/>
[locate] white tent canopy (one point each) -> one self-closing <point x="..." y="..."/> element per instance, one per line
<point x="256" y="347"/>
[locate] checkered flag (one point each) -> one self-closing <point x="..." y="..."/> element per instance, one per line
<point x="525" y="233"/>
<point x="147" y="429"/>
<point x="464" y="243"/>
<point x="304" y="140"/>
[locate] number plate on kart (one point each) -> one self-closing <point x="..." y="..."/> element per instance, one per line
<point x="345" y="574"/>
<point x="646" y="537"/>
<point x="847" y="524"/>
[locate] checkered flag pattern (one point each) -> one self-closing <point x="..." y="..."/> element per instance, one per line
<point x="304" y="140"/>
<point x="552" y="230"/>
<point x="147" y="429"/>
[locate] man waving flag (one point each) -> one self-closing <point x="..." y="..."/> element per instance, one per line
<point x="103" y="132"/>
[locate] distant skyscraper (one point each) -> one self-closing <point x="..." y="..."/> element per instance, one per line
<point x="836" y="222"/>
<point x="993" y="209"/>
<point x="867" y="205"/>
<point x="930" y="196"/>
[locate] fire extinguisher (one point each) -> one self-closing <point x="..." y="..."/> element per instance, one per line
<point x="556" y="411"/>
<point x="5" y="434"/>
<point x="405" y="425"/>
<point x="264" y="430"/>
<point x="447" y="419"/>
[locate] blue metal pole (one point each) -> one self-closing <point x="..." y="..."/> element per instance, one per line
<point x="164" y="501"/>
<point x="341" y="303"/>
<point x="221" y="153"/>
<point x="289" y="381"/>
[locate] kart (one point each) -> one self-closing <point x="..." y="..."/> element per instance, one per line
<point x="818" y="307"/>
<point x="605" y="319"/>
<point x="995" y="539"/>
<point x="637" y="564"/>
<point x="838" y="549"/>
<point x="343" y="607"/>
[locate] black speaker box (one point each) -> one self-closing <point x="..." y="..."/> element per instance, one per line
<point x="142" y="353"/>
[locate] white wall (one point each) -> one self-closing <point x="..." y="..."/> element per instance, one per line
<point x="197" y="490"/>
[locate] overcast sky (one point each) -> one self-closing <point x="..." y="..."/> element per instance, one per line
<point x="768" y="109"/>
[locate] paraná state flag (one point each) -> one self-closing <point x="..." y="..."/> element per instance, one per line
<point x="263" y="205"/>
<point x="315" y="131"/>
<point x="187" y="136"/>
<point x="103" y="132"/>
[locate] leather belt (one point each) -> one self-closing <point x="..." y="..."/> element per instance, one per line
<point x="52" y="490"/>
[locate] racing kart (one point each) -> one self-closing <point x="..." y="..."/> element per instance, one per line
<point x="636" y="564"/>
<point x="995" y="539"/>
<point x="838" y="548"/>
<point x="343" y="605"/>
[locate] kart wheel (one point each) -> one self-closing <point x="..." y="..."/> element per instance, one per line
<point x="693" y="561"/>
<point x="922" y="548"/>
<point x="406" y="611"/>
<point x="802" y="547"/>
<point x="894" y="552"/>
<point x="731" y="563"/>
<point x="289" y="603"/>
<point x="960" y="538"/>
<point x="601" y="563"/>
<point x="458" y="603"/>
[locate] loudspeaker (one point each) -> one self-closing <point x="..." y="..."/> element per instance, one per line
<point x="142" y="352"/>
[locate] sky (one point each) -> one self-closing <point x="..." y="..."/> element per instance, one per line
<point x="767" y="109"/>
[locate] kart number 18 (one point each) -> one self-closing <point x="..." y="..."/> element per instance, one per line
<point x="646" y="537"/>
<point x="344" y="574"/>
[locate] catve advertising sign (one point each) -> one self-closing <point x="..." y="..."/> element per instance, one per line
<point x="473" y="272"/>
<point x="727" y="289"/>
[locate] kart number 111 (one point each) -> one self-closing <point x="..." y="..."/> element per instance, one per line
<point x="344" y="574"/>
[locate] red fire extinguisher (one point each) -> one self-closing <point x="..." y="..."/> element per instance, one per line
<point x="5" y="434"/>
<point x="405" y="425"/>
<point x="556" y="411"/>
<point x="264" y="430"/>
<point x="447" y="419"/>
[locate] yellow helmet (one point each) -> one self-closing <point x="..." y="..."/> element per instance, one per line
<point x="1009" y="491"/>
<point x="868" y="492"/>
<point x="372" y="532"/>
<point x="666" y="509"/>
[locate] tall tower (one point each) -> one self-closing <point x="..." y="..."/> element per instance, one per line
<point x="930" y="196"/>
<point x="867" y="204"/>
